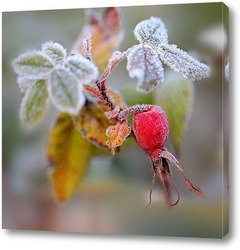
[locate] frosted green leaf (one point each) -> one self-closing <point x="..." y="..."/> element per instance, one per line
<point x="34" y="103"/>
<point x="33" y="65"/>
<point x="144" y="64"/>
<point x="180" y="61"/>
<point x="24" y="83"/>
<point x="55" y="51"/>
<point x="85" y="70"/>
<point x="151" y="31"/>
<point x="65" y="91"/>
<point x="175" y="96"/>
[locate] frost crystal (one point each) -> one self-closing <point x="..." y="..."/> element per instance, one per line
<point x="65" y="91"/>
<point x="85" y="70"/>
<point x="182" y="62"/>
<point x="227" y="71"/>
<point x="151" y="31"/>
<point x="87" y="47"/>
<point x="144" y="64"/>
<point x="55" y="51"/>
<point x="33" y="65"/>
<point x="24" y="83"/>
<point x="114" y="60"/>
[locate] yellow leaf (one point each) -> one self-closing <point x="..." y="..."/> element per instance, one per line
<point x="92" y="124"/>
<point x="69" y="153"/>
<point x="117" y="134"/>
<point x="106" y="35"/>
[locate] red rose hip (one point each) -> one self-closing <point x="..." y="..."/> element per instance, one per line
<point x="151" y="128"/>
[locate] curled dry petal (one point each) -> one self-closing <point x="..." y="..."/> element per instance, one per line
<point x="151" y="31"/>
<point x="144" y="64"/>
<point x="182" y="62"/>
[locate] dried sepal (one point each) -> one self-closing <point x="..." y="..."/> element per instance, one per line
<point x="33" y="65"/>
<point x="151" y="31"/>
<point x="54" y="50"/>
<point x="144" y="64"/>
<point x="34" y="103"/>
<point x="24" y="83"/>
<point x="175" y="163"/>
<point x="65" y="91"/>
<point x="180" y="61"/>
<point x="84" y="69"/>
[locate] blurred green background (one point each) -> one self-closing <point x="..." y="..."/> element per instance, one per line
<point x="111" y="198"/>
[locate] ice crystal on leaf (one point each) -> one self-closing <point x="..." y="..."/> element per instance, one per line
<point x="24" y="83"/>
<point x="65" y="91"/>
<point x="55" y="51"/>
<point x="144" y="64"/>
<point x="180" y="61"/>
<point x="152" y="35"/>
<point x="85" y="70"/>
<point x="151" y="31"/>
<point x="33" y="65"/>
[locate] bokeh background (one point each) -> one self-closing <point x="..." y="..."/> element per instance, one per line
<point x="112" y="197"/>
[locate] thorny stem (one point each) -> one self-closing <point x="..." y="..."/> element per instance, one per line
<point x="102" y="89"/>
<point x="134" y="109"/>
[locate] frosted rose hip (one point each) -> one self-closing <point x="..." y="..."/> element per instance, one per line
<point x="151" y="128"/>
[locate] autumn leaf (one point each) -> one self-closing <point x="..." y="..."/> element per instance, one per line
<point x="113" y="95"/>
<point x="91" y="91"/>
<point x="92" y="124"/>
<point x="69" y="153"/>
<point x="117" y="134"/>
<point x="175" y="96"/>
<point x="106" y="35"/>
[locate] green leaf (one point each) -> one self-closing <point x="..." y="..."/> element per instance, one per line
<point x="55" y="51"/>
<point x="65" y="91"/>
<point x="85" y="70"/>
<point x="33" y="65"/>
<point x="175" y="96"/>
<point x="34" y="103"/>
<point x="69" y="153"/>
